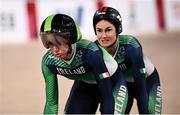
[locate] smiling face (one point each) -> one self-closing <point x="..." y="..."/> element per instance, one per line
<point x="106" y="33"/>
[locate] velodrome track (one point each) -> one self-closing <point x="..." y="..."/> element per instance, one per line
<point x="22" y="88"/>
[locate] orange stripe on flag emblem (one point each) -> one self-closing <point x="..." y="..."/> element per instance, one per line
<point x="104" y="75"/>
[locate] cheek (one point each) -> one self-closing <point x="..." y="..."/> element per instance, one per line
<point x="98" y="36"/>
<point x="64" y="48"/>
<point x="112" y="33"/>
<point x="112" y="36"/>
<point x="54" y="48"/>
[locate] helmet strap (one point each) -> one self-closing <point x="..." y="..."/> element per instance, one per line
<point x="70" y="48"/>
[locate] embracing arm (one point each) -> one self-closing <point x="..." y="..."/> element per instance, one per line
<point x="138" y="68"/>
<point x="95" y="60"/>
<point x="51" y="106"/>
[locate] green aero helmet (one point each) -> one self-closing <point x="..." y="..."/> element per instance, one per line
<point x="59" y="24"/>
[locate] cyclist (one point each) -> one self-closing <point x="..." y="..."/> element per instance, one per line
<point x="141" y="76"/>
<point x="96" y="76"/>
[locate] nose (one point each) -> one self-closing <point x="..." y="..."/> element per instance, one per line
<point x="55" y="49"/>
<point x="59" y="50"/>
<point x="103" y="35"/>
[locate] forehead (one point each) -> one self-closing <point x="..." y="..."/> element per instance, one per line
<point x="104" y="24"/>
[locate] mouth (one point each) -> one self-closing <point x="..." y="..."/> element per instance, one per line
<point x="59" y="55"/>
<point x="105" y="41"/>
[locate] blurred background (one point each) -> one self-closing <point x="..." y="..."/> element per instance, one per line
<point x="156" y="23"/>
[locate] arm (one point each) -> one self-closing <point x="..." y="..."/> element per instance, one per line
<point x="51" y="106"/>
<point x="95" y="60"/>
<point x="135" y="56"/>
<point x="118" y="83"/>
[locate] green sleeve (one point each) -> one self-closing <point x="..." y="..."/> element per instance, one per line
<point x="51" y="106"/>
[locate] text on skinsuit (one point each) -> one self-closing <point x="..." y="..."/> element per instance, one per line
<point x="79" y="70"/>
<point x="120" y="99"/>
<point x="123" y="67"/>
<point x="158" y="101"/>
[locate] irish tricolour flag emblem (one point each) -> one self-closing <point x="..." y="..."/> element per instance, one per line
<point x="142" y="70"/>
<point x="104" y="75"/>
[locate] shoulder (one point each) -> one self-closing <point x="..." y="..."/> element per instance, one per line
<point x="131" y="45"/>
<point x="129" y="40"/>
<point x="87" y="45"/>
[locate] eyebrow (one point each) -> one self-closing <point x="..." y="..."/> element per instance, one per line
<point x="109" y="27"/>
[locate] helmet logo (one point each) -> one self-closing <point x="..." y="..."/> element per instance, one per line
<point x="66" y="21"/>
<point x="119" y="17"/>
<point x="56" y="31"/>
<point x="99" y="13"/>
<point x="65" y="24"/>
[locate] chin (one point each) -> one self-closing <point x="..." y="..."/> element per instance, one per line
<point x="105" y="45"/>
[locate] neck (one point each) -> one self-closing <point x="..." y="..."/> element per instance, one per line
<point x="112" y="49"/>
<point x="71" y="52"/>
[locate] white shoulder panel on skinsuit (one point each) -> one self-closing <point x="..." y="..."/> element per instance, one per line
<point x="149" y="67"/>
<point x="110" y="62"/>
<point x="111" y="65"/>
